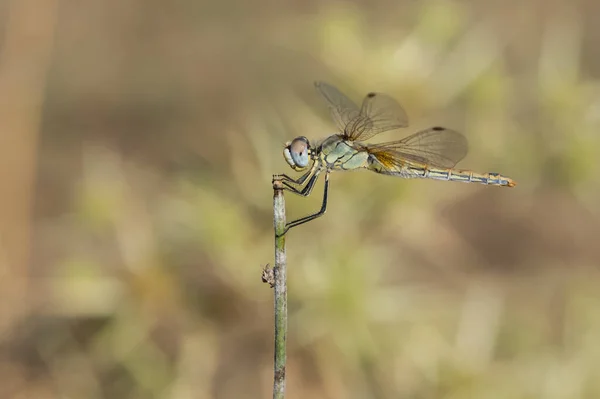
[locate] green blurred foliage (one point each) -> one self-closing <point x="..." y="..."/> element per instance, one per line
<point x="162" y="126"/>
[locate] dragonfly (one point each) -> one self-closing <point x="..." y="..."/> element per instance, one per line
<point x="431" y="153"/>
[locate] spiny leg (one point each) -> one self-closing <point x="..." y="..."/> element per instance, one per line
<point x="307" y="189"/>
<point x="314" y="215"/>
<point x="285" y="178"/>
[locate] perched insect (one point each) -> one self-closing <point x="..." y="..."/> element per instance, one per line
<point x="430" y="154"/>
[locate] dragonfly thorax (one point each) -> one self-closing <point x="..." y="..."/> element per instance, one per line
<point x="297" y="153"/>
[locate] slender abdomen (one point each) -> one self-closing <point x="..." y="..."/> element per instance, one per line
<point x="465" y="176"/>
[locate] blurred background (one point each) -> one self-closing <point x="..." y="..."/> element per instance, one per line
<point x="137" y="144"/>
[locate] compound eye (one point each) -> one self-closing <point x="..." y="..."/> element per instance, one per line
<point x="299" y="152"/>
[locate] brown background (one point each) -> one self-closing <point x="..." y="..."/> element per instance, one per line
<point x="137" y="144"/>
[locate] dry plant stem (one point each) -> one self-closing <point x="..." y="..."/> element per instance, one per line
<point x="280" y="290"/>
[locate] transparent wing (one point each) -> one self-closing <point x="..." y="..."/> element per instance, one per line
<point x="378" y="113"/>
<point x="436" y="146"/>
<point x="389" y="163"/>
<point x="342" y="109"/>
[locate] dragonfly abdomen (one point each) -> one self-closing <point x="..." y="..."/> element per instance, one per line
<point x="465" y="176"/>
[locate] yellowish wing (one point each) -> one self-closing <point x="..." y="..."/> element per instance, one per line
<point x="434" y="147"/>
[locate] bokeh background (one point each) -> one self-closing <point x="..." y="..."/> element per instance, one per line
<point x="137" y="144"/>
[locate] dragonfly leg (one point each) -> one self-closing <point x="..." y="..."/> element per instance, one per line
<point x="321" y="212"/>
<point x="308" y="187"/>
<point x="301" y="179"/>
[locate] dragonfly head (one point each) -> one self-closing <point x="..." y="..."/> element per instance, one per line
<point x="297" y="153"/>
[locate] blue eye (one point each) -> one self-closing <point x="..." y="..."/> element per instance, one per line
<point x="296" y="154"/>
<point x="300" y="158"/>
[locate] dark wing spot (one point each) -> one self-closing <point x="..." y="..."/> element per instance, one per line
<point x="438" y="128"/>
<point x="371" y="95"/>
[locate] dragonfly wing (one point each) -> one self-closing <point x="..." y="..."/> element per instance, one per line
<point x="379" y="113"/>
<point x="343" y="110"/>
<point x="389" y="162"/>
<point x="436" y="146"/>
